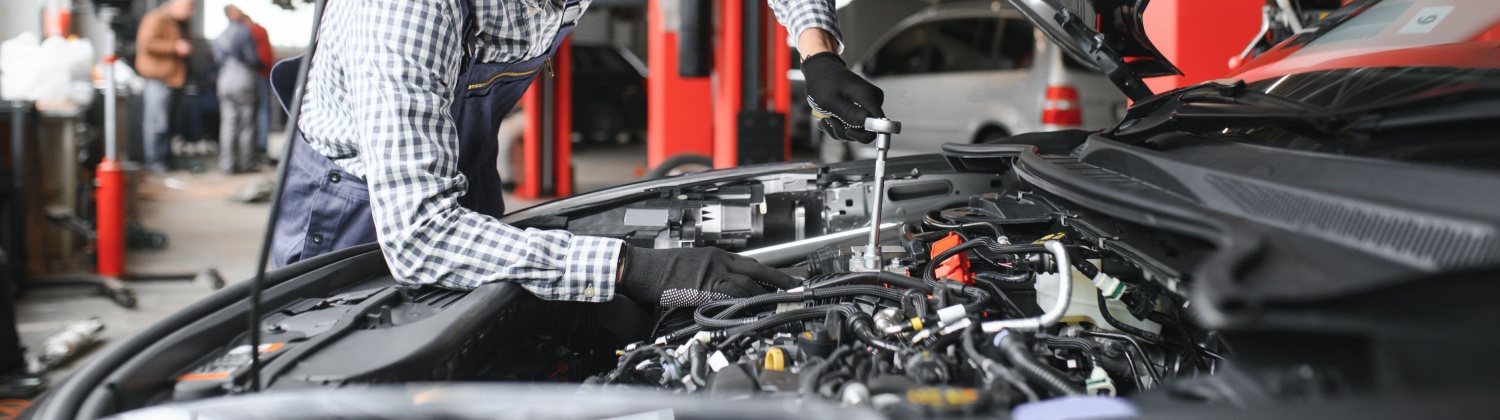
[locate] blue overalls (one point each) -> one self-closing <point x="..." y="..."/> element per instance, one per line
<point x="324" y="209"/>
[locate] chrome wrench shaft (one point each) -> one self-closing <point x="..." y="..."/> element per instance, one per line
<point x="883" y="129"/>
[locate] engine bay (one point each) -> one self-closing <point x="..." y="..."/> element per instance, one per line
<point x="966" y="318"/>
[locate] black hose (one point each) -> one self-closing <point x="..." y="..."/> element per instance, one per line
<point x="1146" y="360"/>
<point x="1020" y="356"/>
<point x="877" y="277"/>
<point x="808" y="378"/>
<point x="721" y="318"/>
<point x="984" y="363"/>
<point x="1110" y="319"/>
<point x="996" y="291"/>
<point x="978" y="299"/>
<point x="698" y="363"/>
<point x="804" y="314"/>
<point x="864" y="330"/>
<point x="1081" y="345"/>
<point x="930" y="274"/>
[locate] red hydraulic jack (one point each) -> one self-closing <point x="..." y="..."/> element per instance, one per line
<point x="109" y="225"/>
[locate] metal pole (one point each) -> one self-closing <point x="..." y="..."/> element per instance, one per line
<point x="109" y="177"/>
<point x="106" y="15"/>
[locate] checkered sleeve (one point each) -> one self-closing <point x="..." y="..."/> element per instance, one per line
<point x="801" y="15"/>
<point x="404" y="61"/>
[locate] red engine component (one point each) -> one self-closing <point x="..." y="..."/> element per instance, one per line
<point x="956" y="267"/>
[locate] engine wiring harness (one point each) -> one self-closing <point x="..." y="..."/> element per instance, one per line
<point x="969" y="321"/>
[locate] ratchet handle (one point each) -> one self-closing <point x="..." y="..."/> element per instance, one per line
<point x="883" y="129"/>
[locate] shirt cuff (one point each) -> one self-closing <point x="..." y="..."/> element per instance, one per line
<point x="814" y="21"/>
<point x="593" y="265"/>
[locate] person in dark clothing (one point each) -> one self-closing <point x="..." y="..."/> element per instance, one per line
<point x="239" y="66"/>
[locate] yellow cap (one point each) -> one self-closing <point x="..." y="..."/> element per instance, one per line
<point x="775" y="359"/>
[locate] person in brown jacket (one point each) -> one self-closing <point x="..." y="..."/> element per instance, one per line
<point x="161" y="45"/>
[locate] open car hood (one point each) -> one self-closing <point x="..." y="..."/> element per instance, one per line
<point x="1108" y="35"/>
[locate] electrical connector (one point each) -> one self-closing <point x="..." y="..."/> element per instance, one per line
<point x="1099" y="383"/>
<point x="1111" y="287"/>
<point x="951" y="314"/>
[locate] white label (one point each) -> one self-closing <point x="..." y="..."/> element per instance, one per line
<point x="1425" y="20"/>
<point x="717" y="361"/>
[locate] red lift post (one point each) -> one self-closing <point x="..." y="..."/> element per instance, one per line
<point x="679" y="119"/>
<point x="549" y="129"/>
<point x="750" y="66"/>
<point x="734" y="115"/>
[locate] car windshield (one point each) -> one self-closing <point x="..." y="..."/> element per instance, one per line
<point x="1380" y="61"/>
<point x="1390" y="33"/>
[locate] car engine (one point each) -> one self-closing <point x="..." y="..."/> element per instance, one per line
<point x="935" y="332"/>
<point x="969" y="315"/>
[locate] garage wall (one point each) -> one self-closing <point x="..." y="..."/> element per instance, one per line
<point x="17" y="16"/>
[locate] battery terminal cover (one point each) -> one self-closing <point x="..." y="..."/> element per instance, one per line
<point x="956" y="267"/>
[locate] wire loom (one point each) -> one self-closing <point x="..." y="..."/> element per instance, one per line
<point x="854" y="336"/>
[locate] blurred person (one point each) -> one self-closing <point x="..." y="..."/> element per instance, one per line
<point x="400" y="116"/>
<point x="161" y="46"/>
<point x="239" y="66"/>
<point x="263" y="84"/>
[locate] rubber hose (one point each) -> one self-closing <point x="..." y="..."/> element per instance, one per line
<point x="1082" y="345"/>
<point x="1110" y="319"/>
<point x="988" y="365"/>
<point x="808" y="378"/>
<point x="804" y="314"/>
<point x="864" y="330"/>
<point x="1140" y="351"/>
<point x="878" y="277"/>
<point x="1019" y="356"/>
<point x="698" y="363"/>
<point x="721" y="319"/>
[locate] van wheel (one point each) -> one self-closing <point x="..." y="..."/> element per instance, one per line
<point x="990" y="135"/>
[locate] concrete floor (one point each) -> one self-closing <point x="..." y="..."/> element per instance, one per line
<point x="207" y="230"/>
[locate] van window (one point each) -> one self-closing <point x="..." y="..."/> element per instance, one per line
<point x="956" y="45"/>
<point x="966" y="45"/>
<point x="1017" y="44"/>
<point x="905" y="53"/>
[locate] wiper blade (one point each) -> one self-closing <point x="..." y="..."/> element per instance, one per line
<point x="1204" y="110"/>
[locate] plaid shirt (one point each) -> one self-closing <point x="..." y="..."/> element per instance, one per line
<point x="377" y="105"/>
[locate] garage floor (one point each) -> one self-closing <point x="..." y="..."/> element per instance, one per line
<point x="207" y="230"/>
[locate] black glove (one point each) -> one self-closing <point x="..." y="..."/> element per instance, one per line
<point x="693" y="276"/>
<point x="840" y="99"/>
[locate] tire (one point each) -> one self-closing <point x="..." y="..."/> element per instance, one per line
<point x="681" y="164"/>
<point x="832" y="150"/>
<point x="990" y="135"/>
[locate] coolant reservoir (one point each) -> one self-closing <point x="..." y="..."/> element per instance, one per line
<point x="1085" y="304"/>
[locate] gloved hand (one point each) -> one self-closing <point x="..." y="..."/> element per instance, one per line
<point x="840" y="99"/>
<point x="693" y="276"/>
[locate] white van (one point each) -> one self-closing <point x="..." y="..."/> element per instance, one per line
<point x="971" y="72"/>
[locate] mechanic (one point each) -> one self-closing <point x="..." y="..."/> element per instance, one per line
<point x="400" y="112"/>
